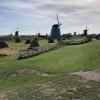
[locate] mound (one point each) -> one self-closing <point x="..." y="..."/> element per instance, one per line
<point x="28" y="41"/>
<point x="51" y="40"/>
<point x="34" y="43"/>
<point x="3" y="44"/>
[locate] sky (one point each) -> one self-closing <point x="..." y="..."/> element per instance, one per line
<point x="38" y="16"/>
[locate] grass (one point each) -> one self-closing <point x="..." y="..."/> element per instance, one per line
<point x="61" y="61"/>
<point x="76" y="39"/>
<point x="12" y="44"/>
<point x="21" y="45"/>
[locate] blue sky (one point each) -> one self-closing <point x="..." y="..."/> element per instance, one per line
<point x="33" y="16"/>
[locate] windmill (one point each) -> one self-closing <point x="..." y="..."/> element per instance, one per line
<point x="17" y="37"/>
<point x="55" y="31"/>
<point x="17" y="33"/>
<point x="86" y="31"/>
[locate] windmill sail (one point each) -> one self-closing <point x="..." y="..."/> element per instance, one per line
<point x="58" y="20"/>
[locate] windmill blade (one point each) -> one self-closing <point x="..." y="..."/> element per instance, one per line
<point x="17" y="29"/>
<point x="58" y="20"/>
<point x="60" y="24"/>
<point x="87" y="28"/>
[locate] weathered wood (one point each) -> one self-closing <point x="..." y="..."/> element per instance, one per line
<point x="35" y="51"/>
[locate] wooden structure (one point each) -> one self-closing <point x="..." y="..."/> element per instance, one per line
<point x="40" y="50"/>
<point x="37" y="50"/>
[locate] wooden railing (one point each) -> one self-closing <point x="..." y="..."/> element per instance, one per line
<point x="37" y="50"/>
<point x="77" y="42"/>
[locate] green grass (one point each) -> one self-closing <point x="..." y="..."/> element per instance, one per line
<point x="62" y="61"/>
<point x="21" y="45"/>
<point x="75" y="39"/>
<point x="12" y="44"/>
<point x="43" y="42"/>
<point x="65" y="59"/>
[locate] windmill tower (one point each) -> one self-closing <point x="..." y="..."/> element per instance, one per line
<point x="17" y="33"/>
<point x="17" y="37"/>
<point x="55" y="31"/>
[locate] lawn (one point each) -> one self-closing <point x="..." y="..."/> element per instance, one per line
<point x="46" y="76"/>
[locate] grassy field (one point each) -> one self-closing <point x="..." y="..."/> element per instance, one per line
<point x="46" y="77"/>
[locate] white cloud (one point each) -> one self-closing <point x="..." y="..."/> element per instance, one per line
<point x="36" y="15"/>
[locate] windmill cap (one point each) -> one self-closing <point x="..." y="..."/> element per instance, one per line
<point x="55" y="25"/>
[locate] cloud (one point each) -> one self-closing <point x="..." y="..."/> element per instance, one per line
<point x="39" y="15"/>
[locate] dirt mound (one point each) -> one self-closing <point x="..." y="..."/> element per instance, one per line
<point x="89" y="75"/>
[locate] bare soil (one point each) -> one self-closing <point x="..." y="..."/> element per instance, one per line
<point x="89" y="75"/>
<point x="51" y="90"/>
<point x="8" y="51"/>
<point x="30" y="71"/>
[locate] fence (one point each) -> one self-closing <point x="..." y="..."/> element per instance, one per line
<point x="77" y="42"/>
<point x="37" y="50"/>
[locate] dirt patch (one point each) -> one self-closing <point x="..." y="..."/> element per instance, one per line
<point x="71" y="90"/>
<point x="3" y="96"/>
<point x="8" y="95"/>
<point x="51" y="90"/>
<point x="47" y="90"/>
<point x="8" y="51"/>
<point x="25" y="71"/>
<point x="89" y="75"/>
<point x="87" y="86"/>
<point x="30" y="71"/>
<point x="98" y="95"/>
